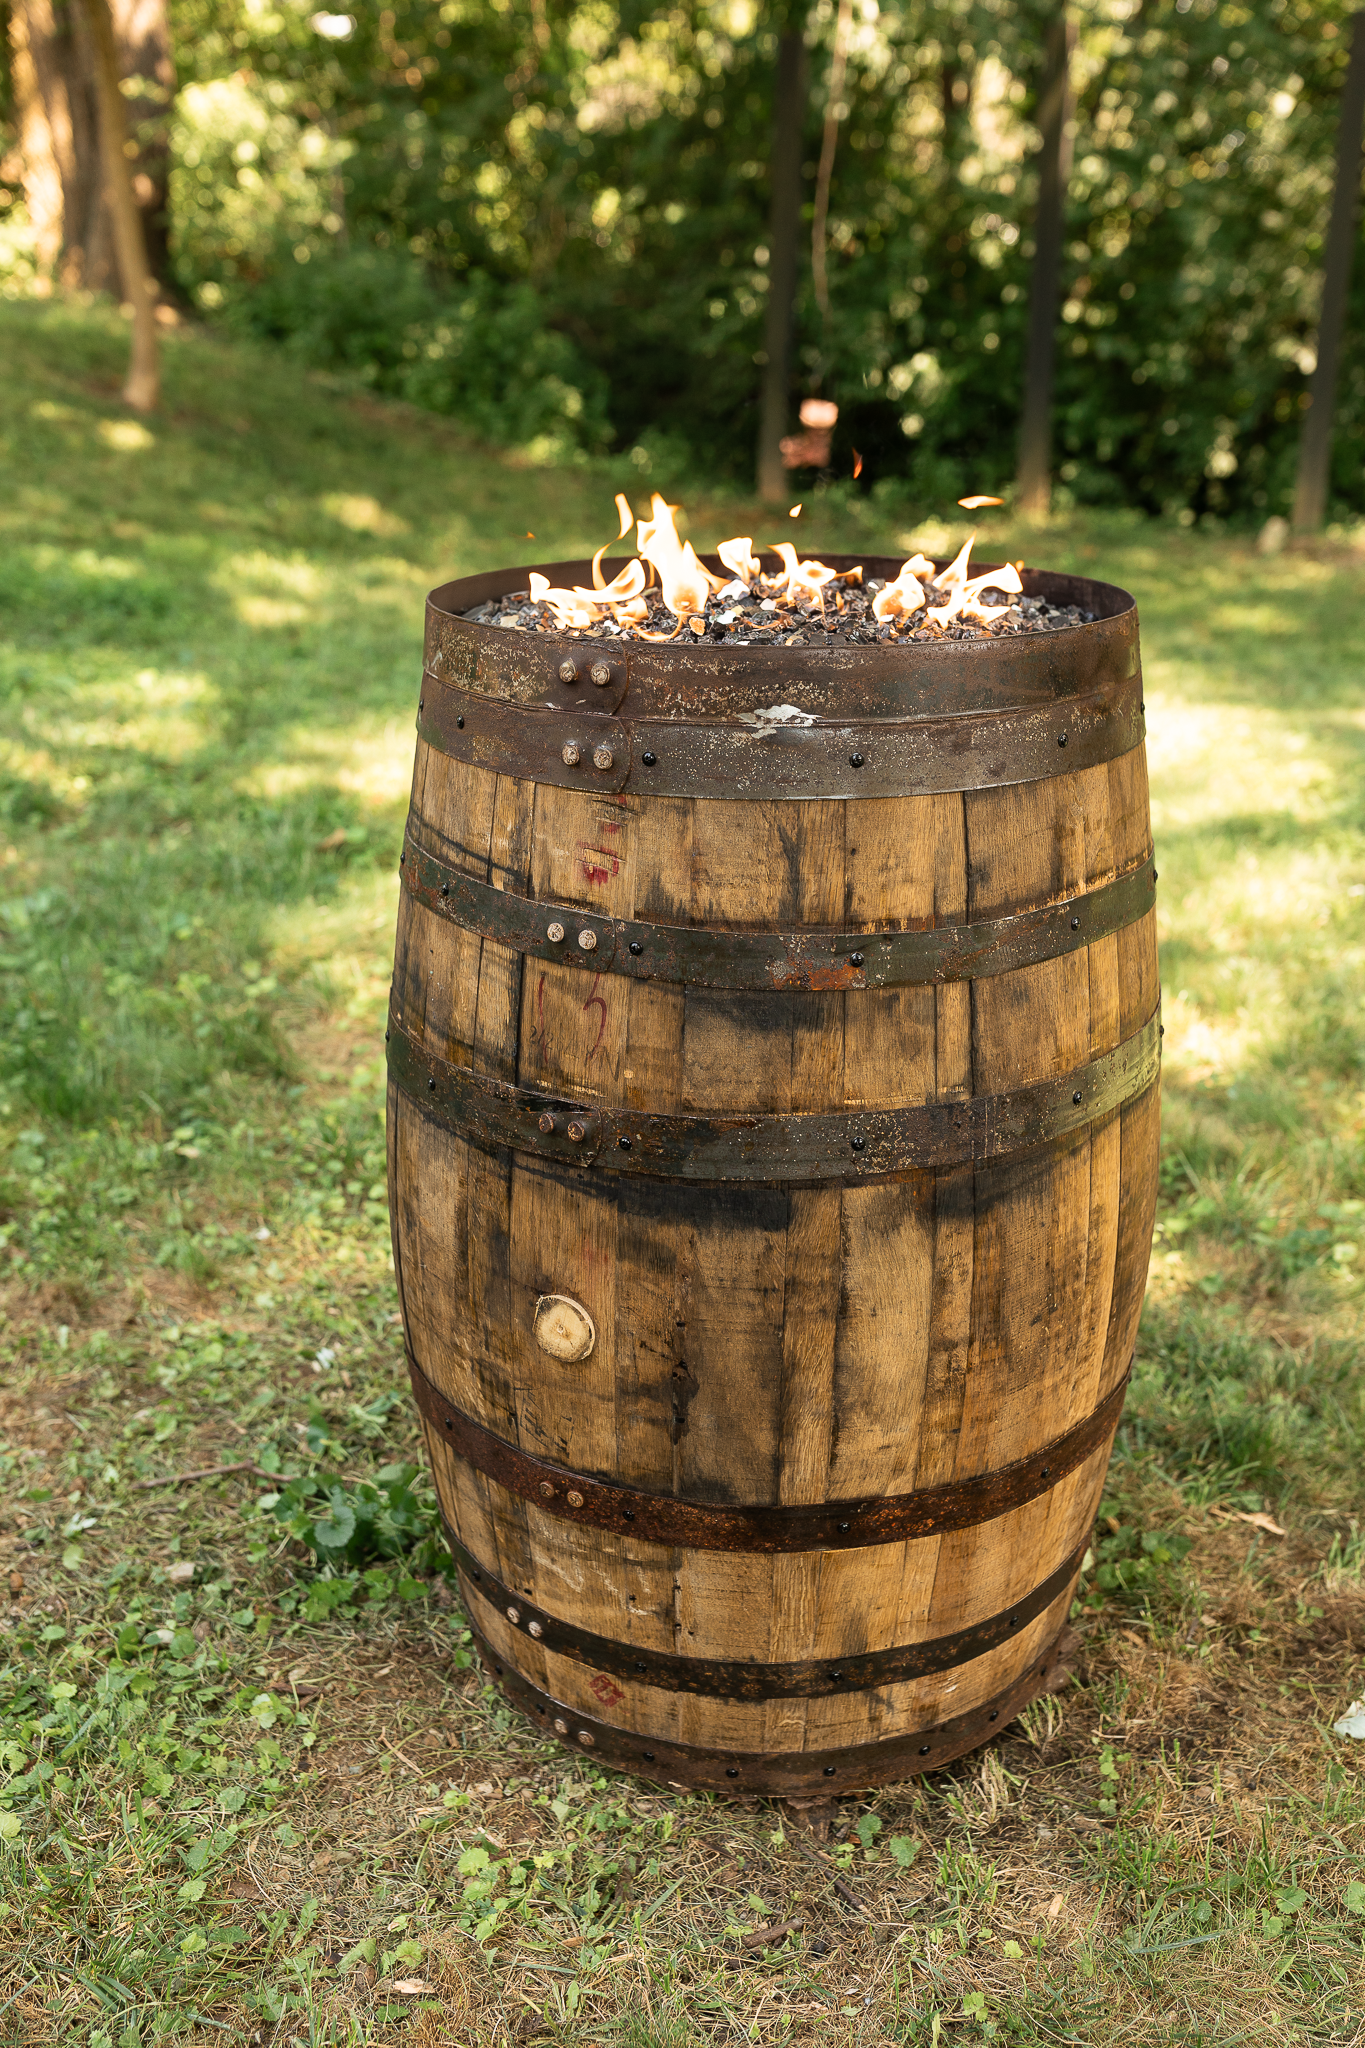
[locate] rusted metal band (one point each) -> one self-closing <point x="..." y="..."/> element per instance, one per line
<point x="855" y="1145"/>
<point x="767" y="1531"/>
<point x="784" y="1772"/>
<point x="730" y="1679"/>
<point x="826" y="758"/>
<point x="703" y="957"/>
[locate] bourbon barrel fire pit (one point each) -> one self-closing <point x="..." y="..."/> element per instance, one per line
<point x="773" y="1104"/>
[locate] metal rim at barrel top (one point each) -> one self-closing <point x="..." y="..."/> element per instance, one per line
<point x="857" y="680"/>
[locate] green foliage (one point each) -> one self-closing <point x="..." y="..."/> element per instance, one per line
<point x="582" y="195"/>
<point x="480" y="351"/>
<point x="386" y="1516"/>
<point x="1130" y="1563"/>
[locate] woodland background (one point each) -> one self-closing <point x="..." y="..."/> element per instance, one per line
<point x="550" y="221"/>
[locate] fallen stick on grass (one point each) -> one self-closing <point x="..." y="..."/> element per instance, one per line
<point x="208" y="1472"/>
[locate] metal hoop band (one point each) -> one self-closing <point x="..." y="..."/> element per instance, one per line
<point x="800" y="1772"/>
<point x="705" y="958"/>
<point x="856" y="1145"/>
<point x="731" y="1679"/>
<point x="722" y="1525"/>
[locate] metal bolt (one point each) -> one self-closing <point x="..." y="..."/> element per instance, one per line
<point x="578" y="1132"/>
<point x="1077" y="1096"/>
<point x="568" y="672"/>
<point x="514" y="1615"/>
<point x="547" y="1490"/>
<point x="554" y="933"/>
<point x="649" y="759"/>
<point x="533" y="1628"/>
<point x="587" y="941"/>
<point x="855" y="959"/>
<point x="855" y="760"/>
<point x="561" y="1727"/>
<point x="601" y="673"/>
<point x="570" y="754"/>
<point x="602" y="757"/>
<point x="547" y="1123"/>
<point x="588" y="1740"/>
<point x="1075" y="924"/>
<point x="575" y="1500"/>
<point x="636" y="947"/>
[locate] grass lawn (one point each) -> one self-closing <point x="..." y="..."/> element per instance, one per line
<point x="245" y="1800"/>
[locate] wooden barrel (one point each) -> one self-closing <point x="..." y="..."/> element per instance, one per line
<point x="773" y="1121"/>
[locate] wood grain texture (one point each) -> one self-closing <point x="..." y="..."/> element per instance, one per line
<point x="771" y="1344"/>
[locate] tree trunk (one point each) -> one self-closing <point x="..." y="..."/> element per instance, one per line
<point x="142" y="387"/>
<point x="819" y="249"/>
<point x="1054" y="171"/>
<point x="57" y="110"/>
<point x="1315" y="448"/>
<point x="783" y="230"/>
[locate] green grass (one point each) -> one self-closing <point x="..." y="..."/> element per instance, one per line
<point x="243" y="1798"/>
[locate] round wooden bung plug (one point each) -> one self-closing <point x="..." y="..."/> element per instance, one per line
<point x="564" y="1328"/>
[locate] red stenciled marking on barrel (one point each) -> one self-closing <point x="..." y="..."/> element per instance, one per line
<point x="596" y="1002"/>
<point x="606" y="1690"/>
<point x="599" y="863"/>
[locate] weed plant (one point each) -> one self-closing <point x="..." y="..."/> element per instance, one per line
<point x="253" y="1785"/>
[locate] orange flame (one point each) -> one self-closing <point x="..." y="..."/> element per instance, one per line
<point x="803" y="579"/>
<point x="964" y="596"/>
<point x="570" y="607"/>
<point x="685" y="583"/>
<point x="906" y="594"/>
<point x="737" y="557"/>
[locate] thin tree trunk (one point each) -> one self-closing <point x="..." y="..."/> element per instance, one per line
<point x="142" y="386"/>
<point x="57" y="118"/>
<point x="1315" y="447"/>
<point x="783" y="229"/>
<point x="838" y="65"/>
<point x="1054" y="171"/>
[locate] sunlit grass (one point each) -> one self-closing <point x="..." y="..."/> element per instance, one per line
<point x="209" y="650"/>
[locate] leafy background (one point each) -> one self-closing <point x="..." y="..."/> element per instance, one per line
<point x="549" y="222"/>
